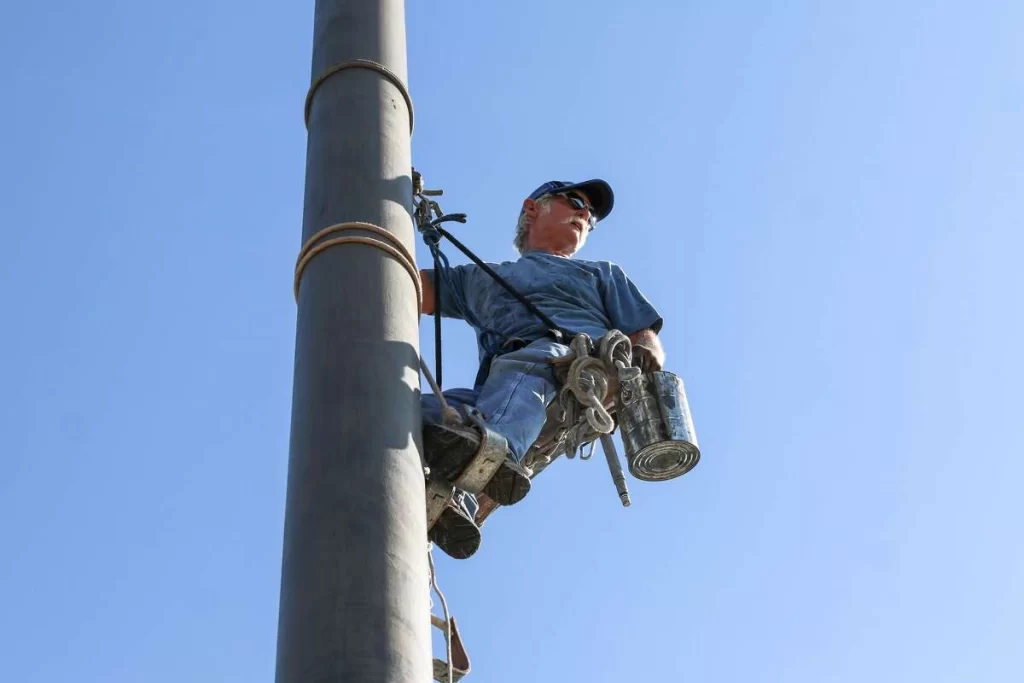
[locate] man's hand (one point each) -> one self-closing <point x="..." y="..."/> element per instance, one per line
<point x="648" y="354"/>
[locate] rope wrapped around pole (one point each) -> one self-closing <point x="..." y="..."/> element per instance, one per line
<point x="389" y="244"/>
<point x="359" y="64"/>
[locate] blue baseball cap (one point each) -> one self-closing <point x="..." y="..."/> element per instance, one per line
<point x="598" y="192"/>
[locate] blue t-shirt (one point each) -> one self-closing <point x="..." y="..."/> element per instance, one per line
<point x="591" y="297"/>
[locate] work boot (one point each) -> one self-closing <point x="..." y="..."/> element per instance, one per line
<point x="448" y="450"/>
<point x="455" y="532"/>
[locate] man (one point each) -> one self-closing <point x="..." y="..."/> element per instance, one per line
<point x="516" y="348"/>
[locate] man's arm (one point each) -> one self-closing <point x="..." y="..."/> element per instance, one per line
<point x="429" y="298"/>
<point x="629" y="309"/>
<point x="648" y="352"/>
<point x="450" y="300"/>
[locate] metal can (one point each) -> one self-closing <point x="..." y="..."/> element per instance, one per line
<point x="656" y="426"/>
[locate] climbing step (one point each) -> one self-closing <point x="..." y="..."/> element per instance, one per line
<point x="460" y="659"/>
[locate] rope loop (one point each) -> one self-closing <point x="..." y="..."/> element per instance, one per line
<point x="432" y="236"/>
<point x="586" y="387"/>
<point x="359" y="64"/>
<point x="385" y="241"/>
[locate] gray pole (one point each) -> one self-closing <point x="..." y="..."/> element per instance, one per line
<point x="354" y="585"/>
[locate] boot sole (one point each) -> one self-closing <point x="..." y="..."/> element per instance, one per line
<point x="509" y="485"/>
<point x="448" y="450"/>
<point x="456" y="534"/>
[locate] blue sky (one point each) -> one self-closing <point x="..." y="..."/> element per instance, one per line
<point x="823" y="199"/>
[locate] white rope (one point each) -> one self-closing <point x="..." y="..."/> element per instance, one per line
<point x="359" y="64"/>
<point x="384" y="240"/>
<point x="585" y="391"/>
<point x="447" y="616"/>
<point x="449" y="415"/>
<point x="586" y="388"/>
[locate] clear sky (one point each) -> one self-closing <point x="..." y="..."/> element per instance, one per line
<point x="823" y="199"/>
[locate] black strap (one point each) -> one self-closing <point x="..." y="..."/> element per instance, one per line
<point x="433" y="240"/>
<point x="483" y="371"/>
<point x="558" y="333"/>
<point x="437" y="318"/>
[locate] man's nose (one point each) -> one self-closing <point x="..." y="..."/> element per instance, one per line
<point x="587" y="217"/>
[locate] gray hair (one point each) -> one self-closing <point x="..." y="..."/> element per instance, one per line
<point x="523" y="227"/>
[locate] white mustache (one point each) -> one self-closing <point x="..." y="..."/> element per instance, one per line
<point x="573" y="220"/>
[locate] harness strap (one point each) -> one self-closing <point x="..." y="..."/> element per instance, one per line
<point x="557" y="332"/>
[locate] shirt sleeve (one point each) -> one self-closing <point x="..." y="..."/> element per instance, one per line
<point x="453" y="286"/>
<point x="627" y="307"/>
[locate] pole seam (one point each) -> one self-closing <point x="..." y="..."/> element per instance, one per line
<point x="359" y="64"/>
<point x="395" y="249"/>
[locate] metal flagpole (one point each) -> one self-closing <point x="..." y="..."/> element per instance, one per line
<point x="354" y="585"/>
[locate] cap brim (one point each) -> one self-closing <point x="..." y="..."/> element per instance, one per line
<point x="598" y="192"/>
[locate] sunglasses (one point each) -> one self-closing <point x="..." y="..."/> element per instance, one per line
<point x="578" y="204"/>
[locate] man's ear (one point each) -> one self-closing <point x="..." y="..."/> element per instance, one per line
<point x="530" y="208"/>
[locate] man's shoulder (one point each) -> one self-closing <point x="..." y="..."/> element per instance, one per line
<point x="549" y="262"/>
<point x="601" y="263"/>
<point x="473" y="270"/>
<point x="571" y="262"/>
<point x="603" y="267"/>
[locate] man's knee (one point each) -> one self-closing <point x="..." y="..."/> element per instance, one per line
<point x="431" y="408"/>
<point x="460" y="399"/>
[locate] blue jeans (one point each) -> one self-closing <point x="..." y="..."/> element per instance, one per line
<point x="513" y="399"/>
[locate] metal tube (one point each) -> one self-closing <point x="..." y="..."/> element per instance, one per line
<point x="615" y="467"/>
<point x="354" y="584"/>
